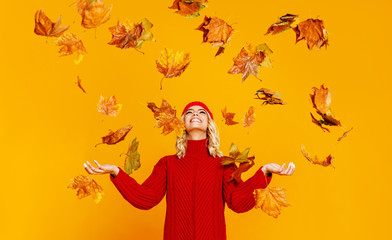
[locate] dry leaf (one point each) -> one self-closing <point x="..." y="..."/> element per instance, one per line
<point x="86" y="186"/>
<point x="271" y="200"/>
<point x="109" y="106"/>
<point x="319" y="123"/>
<point x="228" y="117"/>
<point x="71" y="44"/>
<point x="315" y="160"/>
<point x="94" y="13"/>
<point x="131" y="35"/>
<point x="268" y="97"/>
<point x="235" y="156"/>
<point x="313" y="31"/>
<point x="166" y="117"/>
<point x="45" y="27"/>
<point x="216" y="31"/>
<point x="249" y="118"/>
<point x="244" y="166"/>
<point x="172" y="64"/>
<point x="250" y="59"/>
<point x="189" y="8"/>
<point x="285" y="22"/>
<point x="80" y="84"/>
<point x="115" y="137"/>
<point x="132" y="161"/>
<point x="345" y="134"/>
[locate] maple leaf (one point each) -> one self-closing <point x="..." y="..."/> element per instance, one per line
<point x="189" y="8"/>
<point x="250" y="59"/>
<point x="228" y="117"/>
<point x="172" y="64"/>
<point x="271" y="200"/>
<point x="127" y="35"/>
<point x="315" y="160"/>
<point x="94" y="13"/>
<point x="235" y="156"/>
<point x="71" y="44"/>
<point x="80" y="84"/>
<point x="45" y="27"/>
<point x="243" y="167"/>
<point x="132" y="160"/>
<point x="115" y="137"/>
<point x="268" y="97"/>
<point x="313" y="31"/>
<point x="86" y="186"/>
<point x="109" y="106"/>
<point x="249" y="118"/>
<point x="166" y="117"/>
<point x="216" y="31"/>
<point x="345" y="134"/>
<point x="285" y="22"/>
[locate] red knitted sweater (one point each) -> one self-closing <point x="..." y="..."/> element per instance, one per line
<point x="196" y="189"/>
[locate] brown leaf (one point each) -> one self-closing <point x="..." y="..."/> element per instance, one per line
<point x="313" y="31"/>
<point x="228" y="117"/>
<point x="268" y="97"/>
<point x="172" y="64"/>
<point x="109" y="107"/>
<point x="315" y="160"/>
<point x="117" y="136"/>
<point x="86" y="186"/>
<point x="319" y="123"/>
<point x="166" y="117"/>
<point x="244" y="166"/>
<point x="271" y="200"/>
<point x="188" y="8"/>
<point x="71" y="44"/>
<point x="80" y="84"/>
<point x="45" y="27"/>
<point x="249" y="118"/>
<point x="93" y="13"/>
<point x="345" y="134"/>
<point x="321" y="99"/>
<point x="285" y="22"/>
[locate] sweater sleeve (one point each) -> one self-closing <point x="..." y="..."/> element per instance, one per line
<point x="146" y="195"/>
<point x="239" y="195"/>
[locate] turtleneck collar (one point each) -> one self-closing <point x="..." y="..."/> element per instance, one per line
<point x="196" y="148"/>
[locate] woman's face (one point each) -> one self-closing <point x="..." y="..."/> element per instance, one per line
<point x="196" y="119"/>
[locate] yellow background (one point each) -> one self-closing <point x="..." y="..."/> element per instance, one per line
<point x="49" y="127"/>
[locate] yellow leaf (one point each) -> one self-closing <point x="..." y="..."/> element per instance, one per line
<point x="270" y="200"/>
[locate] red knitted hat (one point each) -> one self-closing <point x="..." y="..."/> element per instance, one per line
<point x="196" y="103"/>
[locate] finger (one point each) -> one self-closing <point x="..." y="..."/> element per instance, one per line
<point x="96" y="162"/>
<point x="88" y="169"/>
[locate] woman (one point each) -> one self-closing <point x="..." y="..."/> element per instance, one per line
<point x="195" y="182"/>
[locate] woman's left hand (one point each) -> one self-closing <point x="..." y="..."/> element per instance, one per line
<point x="277" y="169"/>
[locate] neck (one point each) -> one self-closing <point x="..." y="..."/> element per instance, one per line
<point x="196" y="135"/>
<point x="197" y="148"/>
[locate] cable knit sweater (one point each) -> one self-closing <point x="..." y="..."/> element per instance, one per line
<point x="196" y="189"/>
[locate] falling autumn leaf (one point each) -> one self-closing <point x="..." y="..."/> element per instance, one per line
<point x="86" y="186"/>
<point x="216" y="31"/>
<point x="319" y="123"/>
<point x="271" y="200"/>
<point x="115" y="137"/>
<point x="314" y="33"/>
<point x="345" y="134"/>
<point x="285" y="22"/>
<point x="132" y="160"/>
<point x="166" y="117"/>
<point x="250" y="59"/>
<point x="315" y="160"/>
<point x="94" y="13"/>
<point x="243" y="167"/>
<point x="109" y="106"/>
<point x="189" y="8"/>
<point x="80" y="84"/>
<point x="45" y="27"/>
<point x="131" y="35"/>
<point x="249" y="118"/>
<point x="235" y="156"/>
<point x="228" y="117"/>
<point x="172" y="64"/>
<point x="71" y="44"/>
<point x="268" y="97"/>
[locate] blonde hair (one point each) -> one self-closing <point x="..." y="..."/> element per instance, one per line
<point x="212" y="140"/>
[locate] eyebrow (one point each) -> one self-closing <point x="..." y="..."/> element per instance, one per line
<point x="200" y="109"/>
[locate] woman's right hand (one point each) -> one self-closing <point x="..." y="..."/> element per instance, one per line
<point x="101" y="169"/>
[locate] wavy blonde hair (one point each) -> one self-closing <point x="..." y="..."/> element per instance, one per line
<point x="212" y="139"/>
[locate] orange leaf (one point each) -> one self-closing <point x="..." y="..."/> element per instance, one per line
<point x="216" y="31"/>
<point x="86" y="186"/>
<point x="249" y="117"/>
<point x="117" y="136"/>
<point x="321" y="99"/>
<point x="315" y="160"/>
<point x="271" y="200"/>
<point x="45" y="27"/>
<point x="228" y="117"/>
<point x="166" y="117"/>
<point x="319" y="123"/>
<point x="285" y="22"/>
<point x="172" y="64"/>
<point x="313" y="31"/>
<point x="244" y="166"/>
<point x="269" y="97"/>
<point x="93" y="13"/>
<point x="189" y="9"/>
<point x="80" y="84"/>
<point x="109" y="106"/>
<point x="345" y="134"/>
<point x="71" y="44"/>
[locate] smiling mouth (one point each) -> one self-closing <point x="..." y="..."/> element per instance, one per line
<point x="196" y="120"/>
